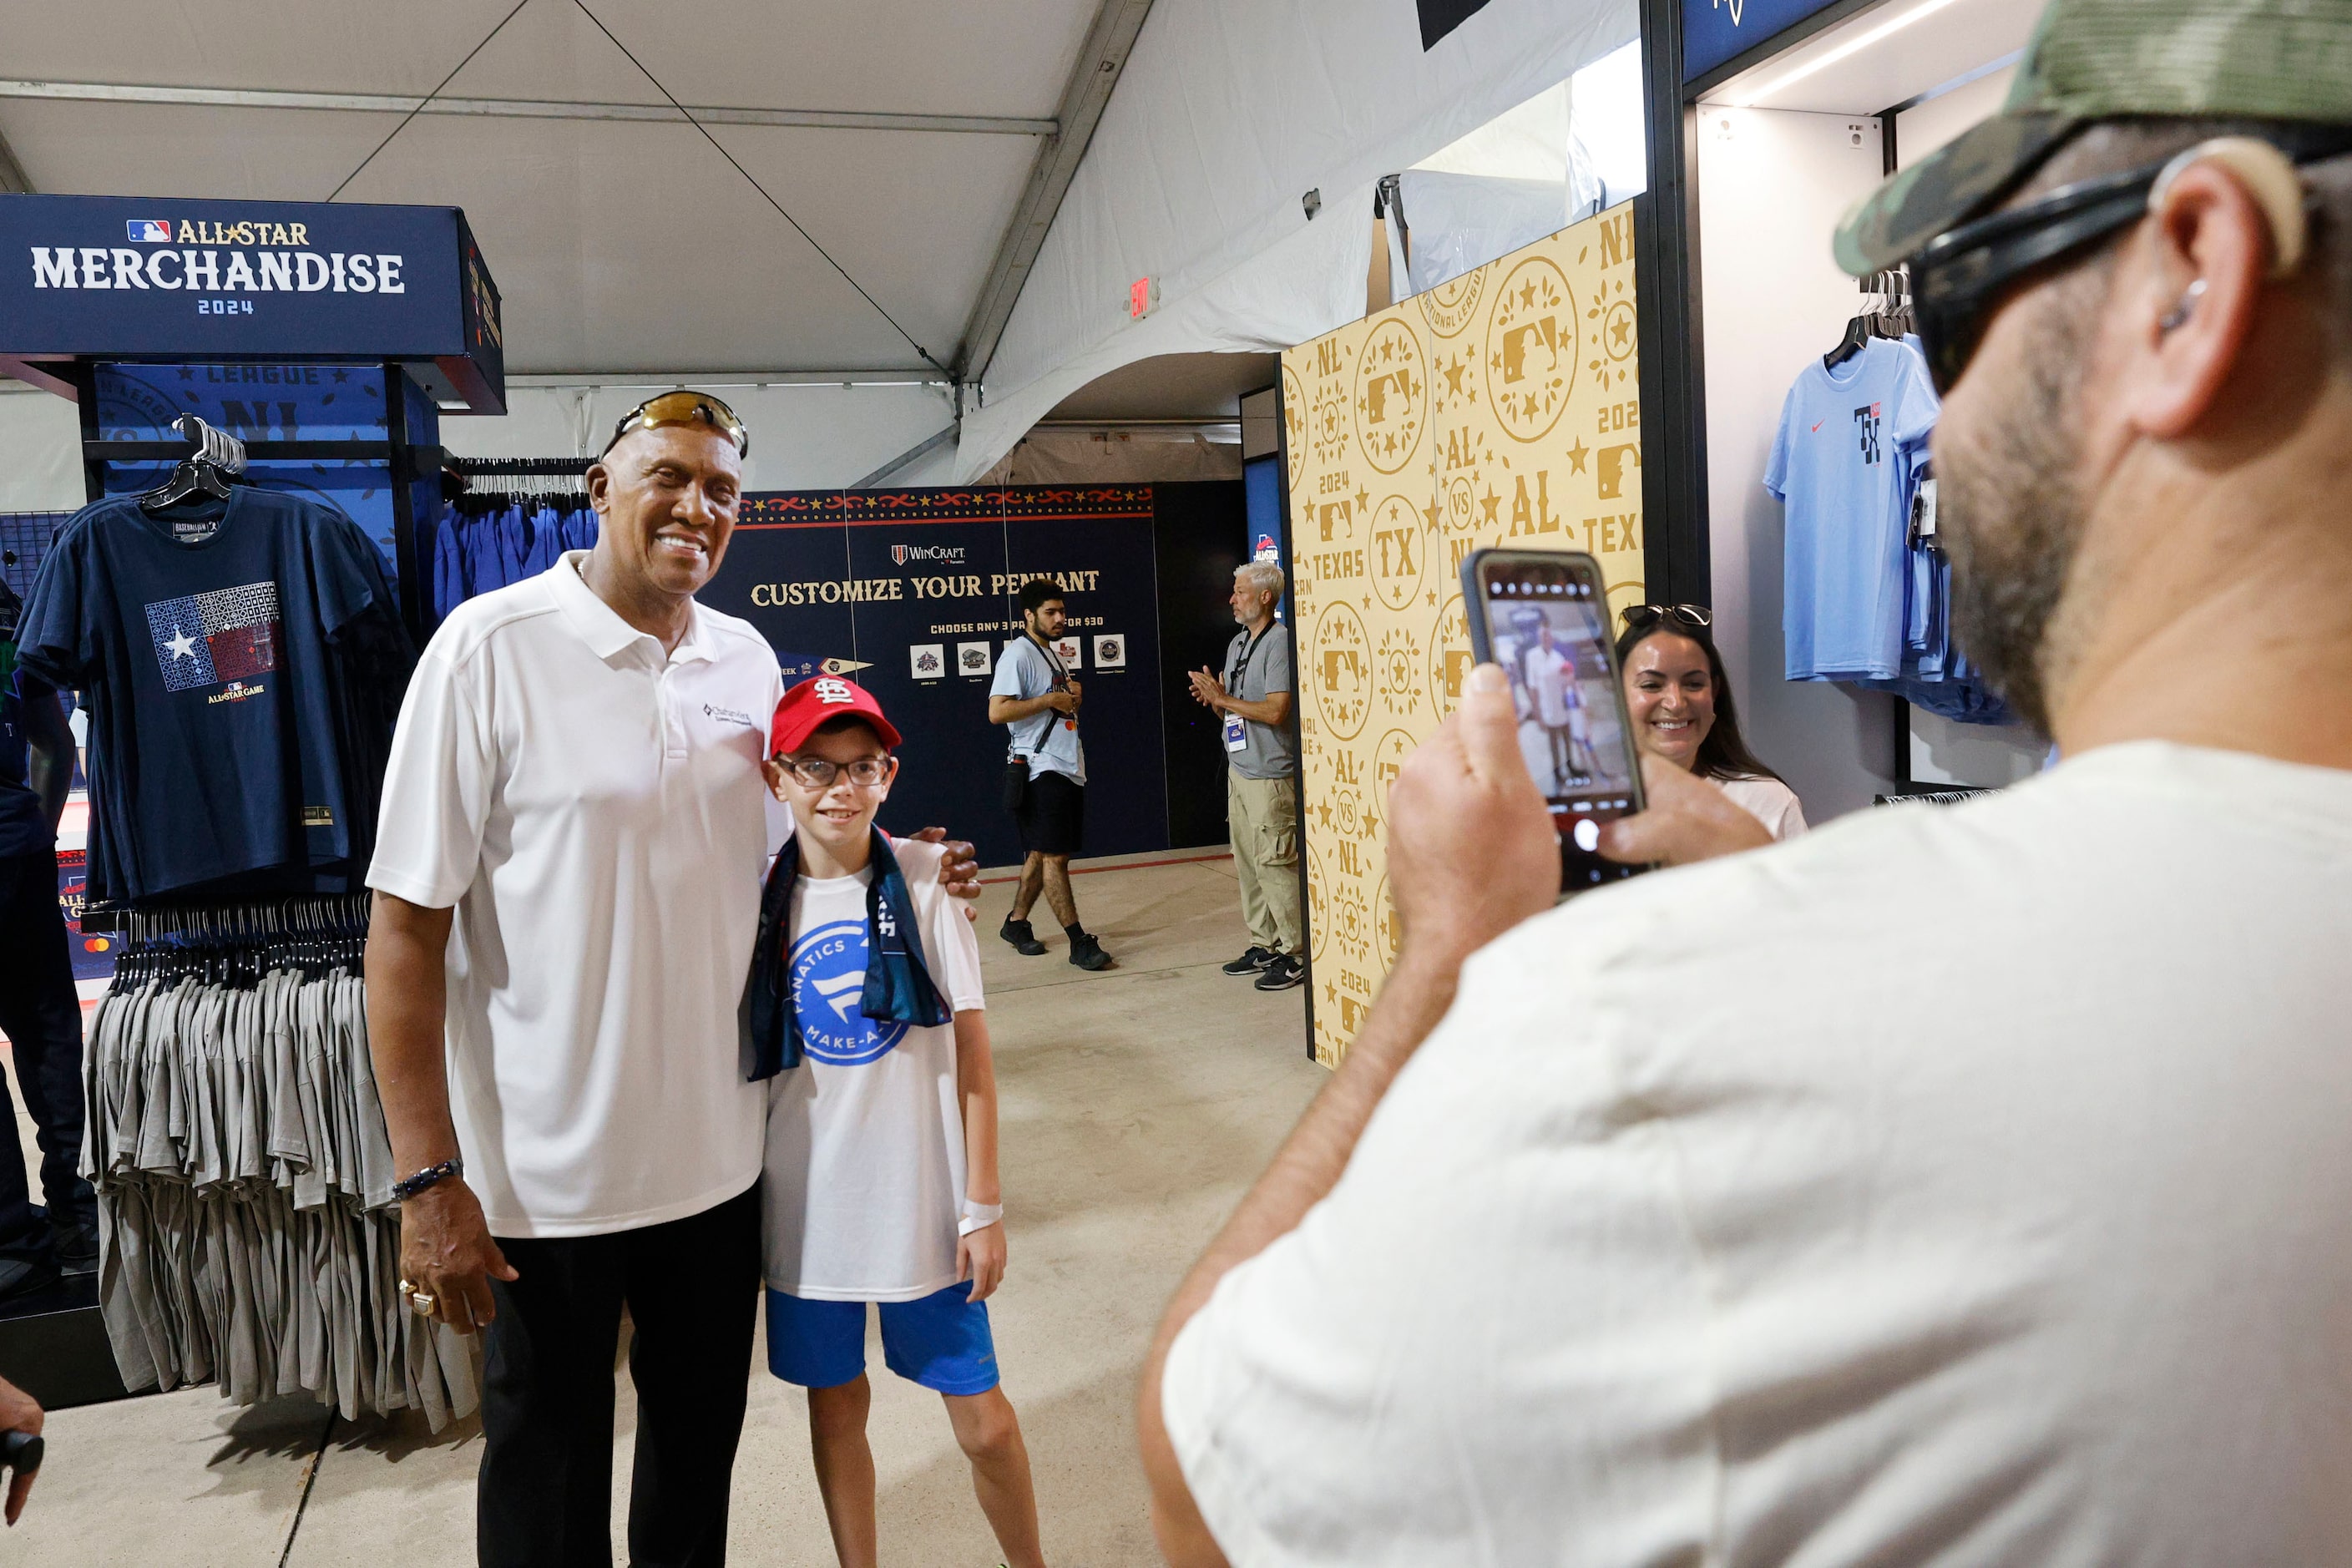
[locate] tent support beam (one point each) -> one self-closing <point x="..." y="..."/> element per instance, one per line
<point x="923" y="447"/>
<point x="12" y="174"/>
<point x="525" y="108"/>
<point x="1100" y="60"/>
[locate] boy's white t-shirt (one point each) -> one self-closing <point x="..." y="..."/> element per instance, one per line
<point x="864" y="1181"/>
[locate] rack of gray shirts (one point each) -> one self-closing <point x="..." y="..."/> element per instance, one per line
<point x="247" y="1228"/>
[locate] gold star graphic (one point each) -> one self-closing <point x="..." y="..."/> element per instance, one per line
<point x="1432" y="515"/>
<point x="1617" y="330"/>
<point x="1453" y="369"/>
<point x="1528" y="294"/>
<point x="1363" y="499"/>
<point x="1372" y="824"/>
<point x="1324" y="809"/>
<point x="1489" y="503"/>
<point x="1576" y="456"/>
<point x="1432" y="597"/>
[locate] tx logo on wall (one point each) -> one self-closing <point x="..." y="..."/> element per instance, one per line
<point x="1499" y="408"/>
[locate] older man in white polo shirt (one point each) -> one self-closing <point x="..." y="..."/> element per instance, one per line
<point x="567" y="886"/>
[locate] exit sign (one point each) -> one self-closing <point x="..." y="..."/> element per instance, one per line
<point x="1141" y="295"/>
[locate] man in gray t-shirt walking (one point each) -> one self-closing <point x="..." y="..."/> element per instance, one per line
<point x="1254" y="694"/>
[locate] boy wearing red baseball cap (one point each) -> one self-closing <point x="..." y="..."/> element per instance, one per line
<point x="865" y="1014"/>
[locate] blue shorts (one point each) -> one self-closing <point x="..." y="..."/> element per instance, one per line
<point x="940" y="1340"/>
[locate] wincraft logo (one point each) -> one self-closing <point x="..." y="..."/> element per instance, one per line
<point x="948" y="554"/>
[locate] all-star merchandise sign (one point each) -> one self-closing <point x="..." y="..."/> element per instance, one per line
<point x="912" y="593"/>
<point x="129" y="276"/>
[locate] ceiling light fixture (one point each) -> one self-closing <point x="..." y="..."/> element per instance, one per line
<point x="1849" y="48"/>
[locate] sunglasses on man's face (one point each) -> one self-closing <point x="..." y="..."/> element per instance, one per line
<point x="1964" y="275"/>
<point x="1691" y="617"/>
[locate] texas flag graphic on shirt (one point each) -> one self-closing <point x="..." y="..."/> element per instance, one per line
<point x="229" y="633"/>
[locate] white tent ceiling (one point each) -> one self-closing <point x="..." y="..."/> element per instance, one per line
<point x="619" y="245"/>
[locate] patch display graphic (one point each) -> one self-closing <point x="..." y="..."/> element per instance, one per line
<point x="828" y="979"/>
<point x="971" y="658"/>
<point x="928" y="660"/>
<point x="1499" y="409"/>
<point x="204" y="639"/>
<point x="1111" y="652"/>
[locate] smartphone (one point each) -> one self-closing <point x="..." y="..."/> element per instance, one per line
<point x="1543" y="615"/>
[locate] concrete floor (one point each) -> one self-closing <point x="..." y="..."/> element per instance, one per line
<point x="1137" y="1104"/>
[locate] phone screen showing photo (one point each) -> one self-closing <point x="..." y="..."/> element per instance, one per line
<point x="1546" y="621"/>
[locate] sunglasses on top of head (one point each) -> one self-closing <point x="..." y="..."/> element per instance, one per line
<point x="684" y="408"/>
<point x="1963" y="274"/>
<point x="1690" y="618"/>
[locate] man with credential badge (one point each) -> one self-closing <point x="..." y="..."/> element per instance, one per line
<point x="1254" y="696"/>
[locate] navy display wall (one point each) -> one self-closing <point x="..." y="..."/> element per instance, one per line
<point x="911" y="594"/>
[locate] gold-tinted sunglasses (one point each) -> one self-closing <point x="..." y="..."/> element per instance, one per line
<point x="684" y="408"/>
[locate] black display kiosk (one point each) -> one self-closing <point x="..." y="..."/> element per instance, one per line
<point x="329" y="340"/>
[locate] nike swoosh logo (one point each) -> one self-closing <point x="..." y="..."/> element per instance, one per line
<point x="1817" y="426"/>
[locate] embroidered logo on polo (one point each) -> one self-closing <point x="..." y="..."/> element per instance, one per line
<point x="828" y="979"/>
<point x="228" y="633"/>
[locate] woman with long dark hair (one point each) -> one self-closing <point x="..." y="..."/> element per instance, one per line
<point x="1680" y="702"/>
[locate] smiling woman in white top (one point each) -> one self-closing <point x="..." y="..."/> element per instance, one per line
<point x="1680" y="702"/>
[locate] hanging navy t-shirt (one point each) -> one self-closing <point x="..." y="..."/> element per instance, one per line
<point x="200" y="644"/>
<point x="23" y="826"/>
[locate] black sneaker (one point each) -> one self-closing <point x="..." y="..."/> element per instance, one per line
<point x="1250" y="961"/>
<point x="1086" y="953"/>
<point x="77" y="1252"/>
<point x="1281" y="973"/>
<point x="1022" y="938"/>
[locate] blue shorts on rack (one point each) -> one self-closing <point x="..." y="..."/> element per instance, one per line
<point x="941" y="1342"/>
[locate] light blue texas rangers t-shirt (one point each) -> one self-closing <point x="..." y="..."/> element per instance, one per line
<point x="1849" y="442"/>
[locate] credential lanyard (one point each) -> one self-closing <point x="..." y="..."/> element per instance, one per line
<point x="1237" y="727"/>
<point x="1061" y="679"/>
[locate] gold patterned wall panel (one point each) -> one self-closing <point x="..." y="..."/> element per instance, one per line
<point x="1499" y="409"/>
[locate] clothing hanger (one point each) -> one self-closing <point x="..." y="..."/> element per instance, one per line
<point x="205" y="471"/>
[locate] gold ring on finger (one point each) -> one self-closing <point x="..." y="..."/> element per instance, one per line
<point x="421" y="1302"/>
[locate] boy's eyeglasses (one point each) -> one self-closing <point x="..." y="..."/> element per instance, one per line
<point x="1962" y="274"/>
<point x="818" y="774"/>
<point x="684" y="408"/>
<point x="1642" y="617"/>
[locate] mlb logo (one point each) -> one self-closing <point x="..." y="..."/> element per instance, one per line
<point x="148" y="231"/>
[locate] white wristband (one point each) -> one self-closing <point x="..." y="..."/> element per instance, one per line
<point x="978" y="1216"/>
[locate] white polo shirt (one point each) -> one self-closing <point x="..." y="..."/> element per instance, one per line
<point x="594" y="810"/>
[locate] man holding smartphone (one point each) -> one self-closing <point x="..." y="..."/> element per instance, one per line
<point x="1958" y="1185"/>
<point x="1037" y="699"/>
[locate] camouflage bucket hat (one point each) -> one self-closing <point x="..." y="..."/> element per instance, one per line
<point x="2105" y="59"/>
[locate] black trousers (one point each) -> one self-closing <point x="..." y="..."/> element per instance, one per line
<point x="692" y="1289"/>
<point x="42" y="1018"/>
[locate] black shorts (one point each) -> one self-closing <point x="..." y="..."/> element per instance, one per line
<point x="1054" y="817"/>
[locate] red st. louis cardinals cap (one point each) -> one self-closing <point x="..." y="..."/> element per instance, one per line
<point x="813" y="702"/>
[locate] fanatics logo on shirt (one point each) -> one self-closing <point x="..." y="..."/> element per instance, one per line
<point x="828" y="980"/>
<point x="229" y="633"/>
